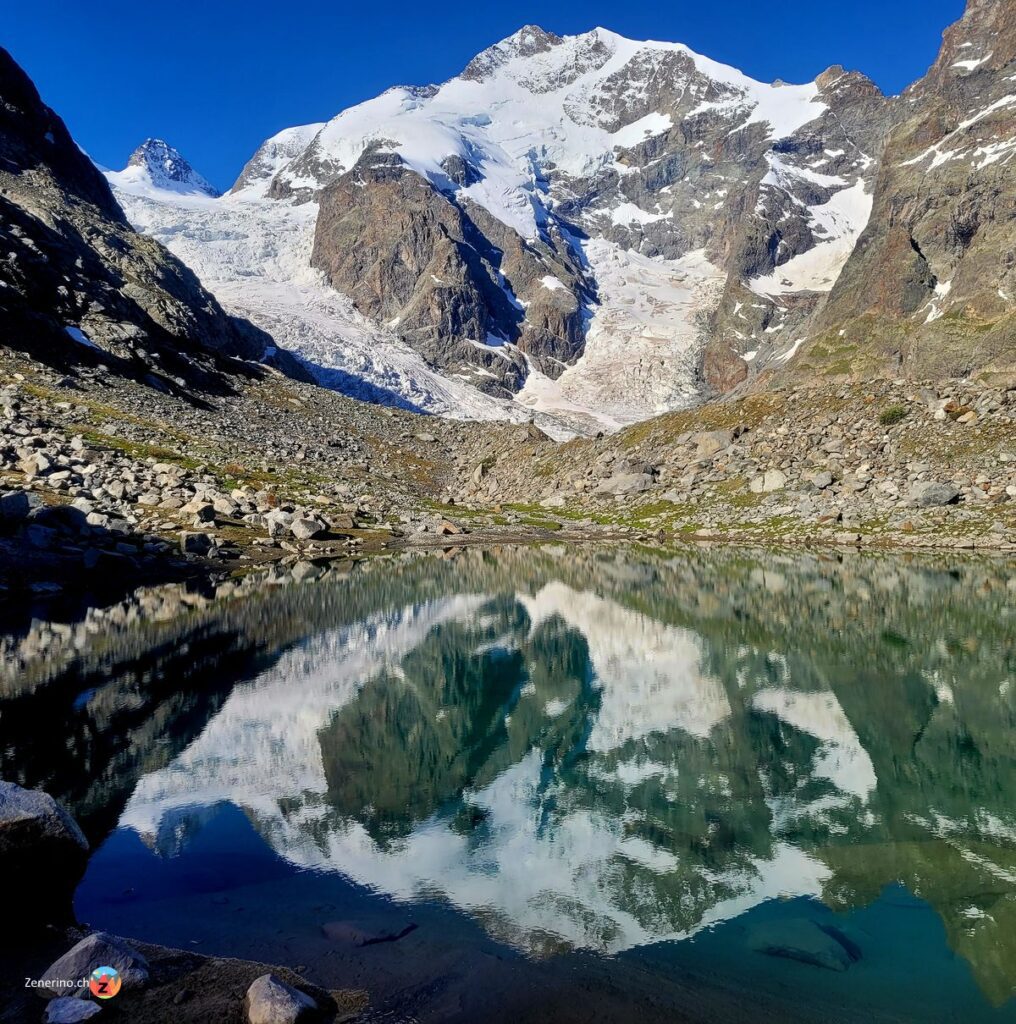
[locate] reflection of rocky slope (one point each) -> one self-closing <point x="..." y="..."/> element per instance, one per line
<point x="609" y="770"/>
<point x="78" y="283"/>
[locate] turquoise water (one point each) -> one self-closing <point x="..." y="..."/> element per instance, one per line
<point x="639" y="785"/>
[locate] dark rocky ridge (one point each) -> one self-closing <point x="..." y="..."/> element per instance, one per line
<point x="449" y="273"/>
<point x="69" y="258"/>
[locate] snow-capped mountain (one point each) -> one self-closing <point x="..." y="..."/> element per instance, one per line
<point x="156" y="166"/>
<point x="623" y="189"/>
<point x="596" y="227"/>
<point x="587" y="226"/>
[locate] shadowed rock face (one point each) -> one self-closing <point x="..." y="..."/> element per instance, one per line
<point x="931" y="285"/>
<point x="72" y="260"/>
<point x="450" y="275"/>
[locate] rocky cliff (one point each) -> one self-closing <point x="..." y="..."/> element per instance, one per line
<point x="77" y="283"/>
<point x="931" y="286"/>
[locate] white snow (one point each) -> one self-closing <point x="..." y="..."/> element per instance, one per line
<point x="629" y="213"/>
<point x="527" y="111"/>
<point x="547" y="864"/>
<point x="838" y="224"/>
<point x="642" y="341"/>
<point x="842" y="760"/>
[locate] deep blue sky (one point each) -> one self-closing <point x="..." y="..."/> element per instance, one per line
<point x="216" y="77"/>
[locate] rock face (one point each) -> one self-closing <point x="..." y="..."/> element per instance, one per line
<point x="453" y="277"/>
<point x="931" y="286"/>
<point x="271" y="1001"/>
<point x="78" y="283"/>
<point x="42" y="848"/>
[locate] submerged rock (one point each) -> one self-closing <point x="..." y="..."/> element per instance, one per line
<point x="805" y="941"/>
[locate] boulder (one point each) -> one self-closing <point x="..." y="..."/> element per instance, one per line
<point x="270" y="1000"/>
<point x="626" y="483"/>
<point x="44" y="850"/>
<point x="710" y="442"/>
<point x="15" y="506"/>
<point x="196" y="543"/>
<point x="97" y="950"/>
<point x="277" y="522"/>
<point x="305" y="528"/>
<point x="928" y="494"/>
<point x="766" y="483"/>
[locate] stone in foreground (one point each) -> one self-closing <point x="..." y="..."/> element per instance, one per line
<point x="271" y="1001"/>
<point x="43" y="851"/>
<point x="98" y="950"/>
<point x="68" y="1010"/>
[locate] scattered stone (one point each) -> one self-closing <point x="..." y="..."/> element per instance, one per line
<point x="270" y="1000"/>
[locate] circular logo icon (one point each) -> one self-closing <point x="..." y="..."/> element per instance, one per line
<point x="104" y="982"/>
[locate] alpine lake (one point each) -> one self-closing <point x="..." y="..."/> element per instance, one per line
<point x="550" y="783"/>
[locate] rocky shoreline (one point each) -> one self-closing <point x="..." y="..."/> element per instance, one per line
<point x="104" y="481"/>
<point x="42" y="846"/>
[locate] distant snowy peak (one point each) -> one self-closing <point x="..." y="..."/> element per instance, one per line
<point x="157" y="166"/>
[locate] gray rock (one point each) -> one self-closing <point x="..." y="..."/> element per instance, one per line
<point x="97" y="950"/>
<point x="277" y="522"/>
<point x="68" y="1010"/>
<point x="930" y="494"/>
<point x="626" y="483"/>
<point x="305" y="528"/>
<point x="270" y="1000"/>
<point x="43" y="848"/>
<point x="15" y="506"/>
<point x="822" y="480"/>
<point x="766" y="483"/>
<point x="710" y="442"/>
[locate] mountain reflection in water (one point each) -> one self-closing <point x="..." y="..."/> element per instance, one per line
<point x="606" y="749"/>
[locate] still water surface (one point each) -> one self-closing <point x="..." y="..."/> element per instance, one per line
<point x="602" y="784"/>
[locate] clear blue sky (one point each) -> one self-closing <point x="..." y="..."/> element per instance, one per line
<point x="216" y="77"/>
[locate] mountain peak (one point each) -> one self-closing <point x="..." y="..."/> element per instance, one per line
<point x="167" y="170"/>
<point x="526" y="42"/>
